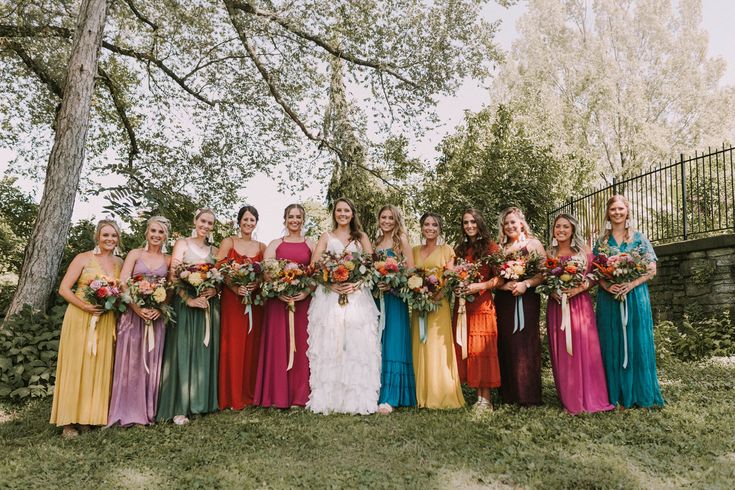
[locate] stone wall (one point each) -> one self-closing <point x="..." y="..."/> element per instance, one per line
<point x="696" y="276"/>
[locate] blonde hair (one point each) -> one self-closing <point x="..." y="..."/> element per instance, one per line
<point x="502" y="238"/>
<point x="398" y="231"/>
<point x="210" y="238"/>
<point x="98" y="231"/>
<point x="165" y="224"/>
<point x="629" y="228"/>
<point x="577" y="243"/>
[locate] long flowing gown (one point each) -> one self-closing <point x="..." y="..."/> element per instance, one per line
<point x="637" y="383"/>
<point x="189" y="374"/>
<point x="275" y="386"/>
<point x="481" y="368"/>
<point x="435" y="362"/>
<point x="579" y="377"/>
<point x="397" y="380"/>
<point x="134" y="391"/>
<point x="344" y="348"/>
<point x="519" y="353"/>
<point x="83" y="376"/>
<point x="238" y="356"/>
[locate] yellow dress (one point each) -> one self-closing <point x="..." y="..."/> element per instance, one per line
<point x="84" y="379"/>
<point x="435" y="362"/>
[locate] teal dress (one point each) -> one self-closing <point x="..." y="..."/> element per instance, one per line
<point x="397" y="382"/>
<point x="636" y="384"/>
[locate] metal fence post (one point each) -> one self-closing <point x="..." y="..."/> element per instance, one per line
<point x="684" y="194"/>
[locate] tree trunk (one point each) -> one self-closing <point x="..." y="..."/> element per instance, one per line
<point x="46" y="246"/>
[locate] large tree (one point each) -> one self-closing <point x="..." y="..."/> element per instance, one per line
<point x="196" y="96"/>
<point x="628" y="83"/>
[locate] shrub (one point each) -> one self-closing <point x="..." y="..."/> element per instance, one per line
<point x="693" y="338"/>
<point x="29" y="346"/>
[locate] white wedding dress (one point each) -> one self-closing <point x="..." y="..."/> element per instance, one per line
<point x="344" y="349"/>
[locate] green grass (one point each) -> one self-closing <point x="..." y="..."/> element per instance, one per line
<point x="690" y="443"/>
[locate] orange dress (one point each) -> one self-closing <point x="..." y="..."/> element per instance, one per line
<point x="481" y="368"/>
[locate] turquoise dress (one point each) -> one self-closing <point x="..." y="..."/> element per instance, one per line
<point x="397" y="382"/>
<point x="637" y="383"/>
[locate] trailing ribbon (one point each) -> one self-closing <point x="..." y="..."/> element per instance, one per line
<point x="518" y="317"/>
<point x="291" y="334"/>
<point x="92" y="335"/>
<point x="207" y="325"/>
<point x="566" y="322"/>
<point x="149" y="340"/>
<point x="249" y="313"/>
<point x="382" y="311"/>
<point x="461" y="331"/>
<point x="624" y="321"/>
<point x="422" y="327"/>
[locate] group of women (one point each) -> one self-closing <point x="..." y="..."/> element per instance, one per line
<point x="341" y="358"/>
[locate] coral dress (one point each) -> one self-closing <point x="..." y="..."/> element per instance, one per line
<point x="274" y="385"/>
<point x="189" y="375"/>
<point x="636" y="384"/>
<point x="579" y="377"/>
<point x="134" y="390"/>
<point x="344" y="348"/>
<point x="83" y="378"/>
<point x="435" y="362"/>
<point x="238" y="355"/>
<point x="397" y="381"/>
<point x="481" y="368"/>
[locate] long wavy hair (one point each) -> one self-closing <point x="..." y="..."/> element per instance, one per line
<point x="439" y="221"/>
<point x="629" y="228"/>
<point x="577" y="243"/>
<point x="481" y="243"/>
<point x="356" y="232"/>
<point x="398" y="231"/>
<point x="502" y="238"/>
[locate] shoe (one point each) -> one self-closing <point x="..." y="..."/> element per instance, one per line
<point x="384" y="409"/>
<point x="69" y="432"/>
<point x="181" y="420"/>
<point x="482" y="405"/>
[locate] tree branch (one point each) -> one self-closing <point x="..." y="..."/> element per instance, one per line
<point x="36" y="68"/>
<point x="121" y="112"/>
<point x="140" y="16"/>
<point x="333" y="50"/>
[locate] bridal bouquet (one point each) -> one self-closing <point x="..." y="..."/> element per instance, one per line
<point x="422" y="293"/>
<point x="105" y="293"/>
<point x="241" y="273"/>
<point x="456" y="280"/>
<point x="344" y="268"/>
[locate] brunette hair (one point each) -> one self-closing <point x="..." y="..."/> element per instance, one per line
<point x="290" y="207"/>
<point x="481" y="244"/>
<point x="577" y="242"/>
<point x="247" y="209"/>
<point x="438" y="219"/>
<point x="356" y="232"/>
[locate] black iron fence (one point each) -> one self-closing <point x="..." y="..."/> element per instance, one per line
<point x="690" y="198"/>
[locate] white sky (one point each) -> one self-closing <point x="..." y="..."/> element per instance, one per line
<point x="262" y="193"/>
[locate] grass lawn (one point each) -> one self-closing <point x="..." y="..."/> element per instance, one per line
<point x="690" y="443"/>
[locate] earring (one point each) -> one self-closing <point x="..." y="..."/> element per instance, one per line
<point x="117" y="251"/>
<point x="146" y="246"/>
<point x="239" y="233"/>
<point x="96" y="250"/>
<point x="608" y="225"/>
<point x="522" y="237"/>
<point x="554" y="242"/>
<point x="627" y="224"/>
<point x="504" y="240"/>
<point x="210" y="238"/>
<point x="194" y="233"/>
<point x="163" y="247"/>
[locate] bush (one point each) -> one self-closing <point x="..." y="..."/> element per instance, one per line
<point x="29" y="346"/>
<point x="694" y="339"/>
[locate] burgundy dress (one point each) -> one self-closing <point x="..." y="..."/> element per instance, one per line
<point x="580" y="377"/>
<point x="135" y="391"/>
<point x="275" y="386"/>
<point x="238" y="354"/>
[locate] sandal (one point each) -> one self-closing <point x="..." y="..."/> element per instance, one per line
<point x="385" y="409"/>
<point x="181" y="420"/>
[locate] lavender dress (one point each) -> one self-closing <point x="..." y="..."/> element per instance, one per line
<point x="135" y="391"/>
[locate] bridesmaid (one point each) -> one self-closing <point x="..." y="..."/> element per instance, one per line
<point x="84" y="368"/>
<point x="238" y="356"/>
<point x="434" y="361"/>
<point x="190" y="356"/>
<point x="636" y="382"/>
<point x="398" y="384"/>
<point x="579" y="376"/>
<point x="135" y="389"/>
<point x="275" y="386"/>
<point x="519" y="353"/>
<point x="481" y="369"/>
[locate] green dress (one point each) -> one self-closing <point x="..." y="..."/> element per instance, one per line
<point x="636" y="384"/>
<point x="189" y="372"/>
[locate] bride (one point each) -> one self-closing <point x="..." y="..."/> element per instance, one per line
<point x="344" y="342"/>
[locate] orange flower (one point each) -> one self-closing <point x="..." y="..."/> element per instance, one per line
<point x="552" y="263"/>
<point x="341" y="274"/>
<point x="570" y="268"/>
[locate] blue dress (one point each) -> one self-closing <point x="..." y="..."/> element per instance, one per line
<point x="397" y="382"/>
<point x="637" y="383"/>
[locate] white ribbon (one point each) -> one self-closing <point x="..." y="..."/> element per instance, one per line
<point x="461" y="330"/>
<point x="92" y="335"/>
<point x="624" y="322"/>
<point x="382" y="311"/>
<point x="207" y="325"/>
<point x="291" y="334"/>
<point x="566" y="322"/>
<point x="422" y="327"/>
<point x="518" y="315"/>
<point x="249" y="313"/>
<point x="149" y="342"/>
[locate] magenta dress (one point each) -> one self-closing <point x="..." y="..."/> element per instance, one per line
<point x="580" y="377"/>
<point x="274" y="385"/>
<point x="135" y="391"/>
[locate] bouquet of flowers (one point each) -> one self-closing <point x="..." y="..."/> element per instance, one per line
<point x="242" y="273"/>
<point x="286" y="278"/>
<point x="193" y="279"/>
<point x="390" y="271"/>
<point x="457" y="279"/>
<point x="422" y="293"/>
<point x="103" y="292"/>
<point x="344" y="268"/>
<point x="149" y="292"/>
<point x="518" y="265"/>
